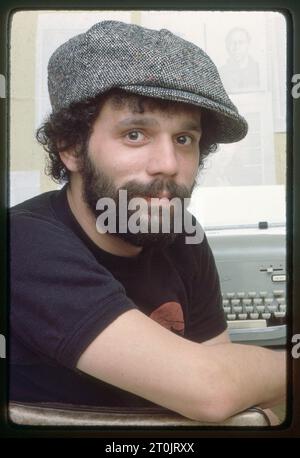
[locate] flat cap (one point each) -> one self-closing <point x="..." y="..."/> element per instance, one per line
<point x="152" y="63"/>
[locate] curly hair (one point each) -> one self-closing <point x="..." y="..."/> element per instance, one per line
<point x="71" y="127"/>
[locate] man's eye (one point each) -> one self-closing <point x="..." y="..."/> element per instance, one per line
<point x="135" y="135"/>
<point x="184" y="140"/>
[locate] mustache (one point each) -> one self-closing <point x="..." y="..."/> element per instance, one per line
<point x="156" y="188"/>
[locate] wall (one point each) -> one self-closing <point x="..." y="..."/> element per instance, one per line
<point x="25" y="153"/>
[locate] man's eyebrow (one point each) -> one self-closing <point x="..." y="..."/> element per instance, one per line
<point x="138" y="121"/>
<point x="152" y="122"/>
<point x="192" y="126"/>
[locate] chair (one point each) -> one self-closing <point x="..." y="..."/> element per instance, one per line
<point x="70" y="415"/>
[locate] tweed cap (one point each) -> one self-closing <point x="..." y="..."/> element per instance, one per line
<point x="152" y="63"/>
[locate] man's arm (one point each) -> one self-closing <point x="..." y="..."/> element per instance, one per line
<point x="202" y="382"/>
<point x="225" y="338"/>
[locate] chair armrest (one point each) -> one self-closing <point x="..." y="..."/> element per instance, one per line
<point x="37" y="414"/>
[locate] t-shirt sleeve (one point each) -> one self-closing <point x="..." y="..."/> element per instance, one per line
<point x="61" y="298"/>
<point x="206" y="315"/>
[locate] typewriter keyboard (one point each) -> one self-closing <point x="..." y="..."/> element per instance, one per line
<point x="255" y="308"/>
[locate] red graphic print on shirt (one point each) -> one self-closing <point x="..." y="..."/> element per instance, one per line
<point x="170" y="315"/>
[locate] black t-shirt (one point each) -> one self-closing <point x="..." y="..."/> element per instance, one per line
<point x="65" y="290"/>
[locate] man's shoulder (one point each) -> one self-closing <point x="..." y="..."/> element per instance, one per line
<point x="36" y="229"/>
<point x="35" y="218"/>
<point x="38" y="205"/>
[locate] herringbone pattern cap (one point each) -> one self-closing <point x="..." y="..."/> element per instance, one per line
<point x="153" y="63"/>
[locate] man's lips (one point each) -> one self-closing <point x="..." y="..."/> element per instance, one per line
<point x="162" y="195"/>
<point x="158" y="200"/>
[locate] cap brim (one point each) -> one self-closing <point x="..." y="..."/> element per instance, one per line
<point x="230" y="126"/>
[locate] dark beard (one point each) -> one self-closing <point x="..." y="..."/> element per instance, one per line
<point x="97" y="185"/>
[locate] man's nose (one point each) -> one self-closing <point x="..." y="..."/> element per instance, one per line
<point x="163" y="158"/>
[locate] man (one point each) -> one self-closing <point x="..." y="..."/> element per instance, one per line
<point x="128" y="317"/>
<point x="241" y="71"/>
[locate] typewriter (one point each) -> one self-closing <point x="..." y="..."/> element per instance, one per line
<point x="252" y="267"/>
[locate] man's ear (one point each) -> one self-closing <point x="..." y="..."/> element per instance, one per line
<point x="71" y="161"/>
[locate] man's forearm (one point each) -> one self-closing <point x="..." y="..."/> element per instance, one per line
<point x="255" y="375"/>
<point x="202" y="382"/>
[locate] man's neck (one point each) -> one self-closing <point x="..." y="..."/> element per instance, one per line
<point x="108" y="242"/>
